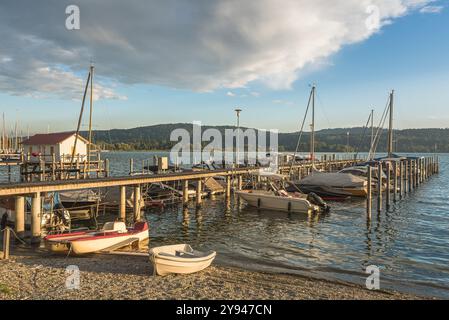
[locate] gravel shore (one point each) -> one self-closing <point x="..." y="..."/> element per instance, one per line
<point x="43" y="276"/>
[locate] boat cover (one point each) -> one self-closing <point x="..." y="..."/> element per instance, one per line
<point x="333" y="180"/>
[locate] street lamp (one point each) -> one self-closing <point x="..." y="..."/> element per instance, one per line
<point x="237" y="111"/>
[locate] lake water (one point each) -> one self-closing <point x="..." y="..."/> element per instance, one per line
<point x="410" y="244"/>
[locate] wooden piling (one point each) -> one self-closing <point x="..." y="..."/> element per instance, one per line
<point x="401" y="179"/>
<point x="36" y="217"/>
<point x="387" y="190"/>
<point x="199" y="193"/>
<point x="20" y="216"/>
<point x="369" y="195"/>
<point x="410" y="176"/>
<point x="6" y="244"/>
<point x="228" y="187"/>
<point x="395" y="181"/>
<point x="239" y="182"/>
<point x="122" y="206"/>
<point x="379" y="187"/>
<point x="136" y="207"/>
<point x="185" y="192"/>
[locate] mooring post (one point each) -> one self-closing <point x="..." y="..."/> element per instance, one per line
<point x="405" y="177"/>
<point x="228" y="187"/>
<point x="53" y="166"/>
<point x="199" y="193"/>
<point x="387" y="190"/>
<point x="185" y="192"/>
<point x="131" y="166"/>
<point x="136" y="207"/>
<point x="122" y="208"/>
<point x="395" y="181"/>
<point x="106" y="167"/>
<point x="401" y="179"/>
<point x="239" y="182"/>
<point x="369" y="195"/>
<point x="20" y="216"/>
<point x="410" y="176"/>
<point x="36" y="218"/>
<point x="379" y="187"/>
<point x="6" y="245"/>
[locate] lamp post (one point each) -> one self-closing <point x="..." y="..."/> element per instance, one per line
<point x="237" y="111"/>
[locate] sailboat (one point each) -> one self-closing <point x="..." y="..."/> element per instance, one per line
<point x="328" y="185"/>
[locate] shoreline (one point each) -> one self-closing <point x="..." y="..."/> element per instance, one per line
<point x="38" y="277"/>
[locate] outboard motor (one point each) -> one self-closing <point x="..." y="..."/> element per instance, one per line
<point x="317" y="200"/>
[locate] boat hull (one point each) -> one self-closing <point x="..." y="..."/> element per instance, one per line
<point x="272" y="202"/>
<point x="165" y="262"/>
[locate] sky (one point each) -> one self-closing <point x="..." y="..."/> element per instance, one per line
<point x="182" y="61"/>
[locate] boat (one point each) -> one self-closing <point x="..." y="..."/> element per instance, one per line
<point x="271" y="194"/>
<point x="333" y="185"/>
<point x="112" y="235"/>
<point x="179" y="258"/>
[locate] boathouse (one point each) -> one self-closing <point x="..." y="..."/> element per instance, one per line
<point x="60" y="144"/>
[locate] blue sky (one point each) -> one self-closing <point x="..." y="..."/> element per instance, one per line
<point x="410" y="55"/>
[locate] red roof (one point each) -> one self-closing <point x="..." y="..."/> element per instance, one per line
<point x="49" y="138"/>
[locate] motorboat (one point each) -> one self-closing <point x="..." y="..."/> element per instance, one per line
<point x="112" y="235"/>
<point x="280" y="201"/>
<point x="332" y="185"/>
<point x="271" y="194"/>
<point x="179" y="258"/>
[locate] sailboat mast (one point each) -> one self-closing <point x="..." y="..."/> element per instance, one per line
<point x="90" y="113"/>
<point x="390" y="128"/>
<point x="312" y="127"/>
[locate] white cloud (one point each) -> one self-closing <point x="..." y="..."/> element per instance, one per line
<point x="230" y="94"/>
<point x="181" y="43"/>
<point x="431" y="9"/>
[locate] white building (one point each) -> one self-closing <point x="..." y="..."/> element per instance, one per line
<point x="60" y="144"/>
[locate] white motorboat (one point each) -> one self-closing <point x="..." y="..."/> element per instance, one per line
<point x="179" y="258"/>
<point x="281" y="201"/>
<point x="113" y="234"/>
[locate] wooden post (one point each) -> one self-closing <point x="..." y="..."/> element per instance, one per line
<point x="6" y="239"/>
<point x="369" y="195"/>
<point x="84" y="169"/>
<point x="77" y="166"/>
<point x="131" y="166"/>
<point x="106" y="169"/>
<point x="240" y="182"/>
<point x="379" y="187"/>
<point x="401" y="180"/>
<point x="410" y="176"/>
<point x="395" y="181"/>
<point x="228" y="187"/>
<point x="53" y="166"/>
<point x="36" y="217"/>
<point x="387" y="191"/>
<point x="199" y="191"/>
<point x="20" y="216"/>
<point x="122" y="208"/>
<point x="136" y="206"/>
<point x="185" y="192"/>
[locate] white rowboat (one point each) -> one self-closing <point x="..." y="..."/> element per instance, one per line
<point x="179" y="258"/>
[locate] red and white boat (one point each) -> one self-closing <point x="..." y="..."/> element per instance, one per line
<point x="113" y="235"/>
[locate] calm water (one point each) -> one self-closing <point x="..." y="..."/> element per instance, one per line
<point x="410" y="244"/>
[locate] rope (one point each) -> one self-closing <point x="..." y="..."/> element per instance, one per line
<point x="15" y="235"/>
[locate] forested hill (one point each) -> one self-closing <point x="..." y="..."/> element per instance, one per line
<point x="157" y="137"/>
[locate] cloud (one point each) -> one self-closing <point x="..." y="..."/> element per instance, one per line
<point x="431" y="9"/>
<point x="188" y="44"/>
<point x="230" y="94"/>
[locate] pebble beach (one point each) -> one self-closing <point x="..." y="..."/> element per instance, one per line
<point x="109" y="277"/>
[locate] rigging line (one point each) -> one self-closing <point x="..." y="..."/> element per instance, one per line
<point x="362" y="136"/>
<point x="381" y="125"/>
<point x="300" y="133"/>
<point x="322" y="109"/>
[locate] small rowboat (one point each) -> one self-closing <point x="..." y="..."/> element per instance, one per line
<point x="113" y="235"/>
<point x="179" y="258"/>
